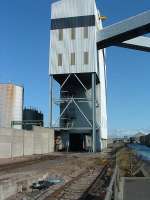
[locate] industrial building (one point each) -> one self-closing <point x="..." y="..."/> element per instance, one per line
<point x="32" y="117"/>
<point x="11" y="104"/>
<point x="78" y="69"/>
<point x="145" y="140"/>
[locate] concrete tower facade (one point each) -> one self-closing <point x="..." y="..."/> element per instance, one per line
<point x="79" y="69"/>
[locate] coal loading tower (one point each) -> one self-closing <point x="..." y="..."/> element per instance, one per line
<point x="77" y="75"/>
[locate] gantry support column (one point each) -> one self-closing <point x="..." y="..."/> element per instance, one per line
<point x="51" y="100"/>
<point x="94" y="112"/>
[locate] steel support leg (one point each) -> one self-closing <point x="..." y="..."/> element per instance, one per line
<point x="94" y="112"/>
<point x="50" y="100"/>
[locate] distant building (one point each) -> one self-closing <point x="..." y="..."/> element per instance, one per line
<point x="32" y="117"/>
<point x="136" y="137"/>
<point x="145" y="140"/>
<point x="11" y="104"/>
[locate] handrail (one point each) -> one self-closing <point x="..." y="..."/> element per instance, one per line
<point x="112" y="182"/>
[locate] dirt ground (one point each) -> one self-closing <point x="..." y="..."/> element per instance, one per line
<point x="59" y="165"/>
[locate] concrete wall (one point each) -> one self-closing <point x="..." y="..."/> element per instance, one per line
<point x="16" y="143"/>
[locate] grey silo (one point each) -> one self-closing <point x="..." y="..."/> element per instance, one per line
<point x="79" y="69"/>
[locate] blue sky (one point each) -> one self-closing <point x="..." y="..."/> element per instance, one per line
<point x="24" y="49"/>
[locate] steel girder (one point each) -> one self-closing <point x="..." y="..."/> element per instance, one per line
<point x="125" y="30"/>
<point x="140" y="43"/>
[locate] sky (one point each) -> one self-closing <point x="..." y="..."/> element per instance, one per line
<point x="24" y="54"/>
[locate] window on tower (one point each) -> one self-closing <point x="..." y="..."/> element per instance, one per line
<point x="86" y="32"/>
<point x="72" y="58"/>
<point x="86" y="58"/>
<point x="59" y="59"/>
<point x="73" y="33"/>
<point x="60" y="34"/>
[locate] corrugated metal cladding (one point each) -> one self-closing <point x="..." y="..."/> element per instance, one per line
<point x="73" y="10"/>
<point x="11" y="104"/>
<point x="77" y="46"/>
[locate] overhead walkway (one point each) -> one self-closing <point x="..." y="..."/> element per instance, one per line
<point x="126" y="33"/>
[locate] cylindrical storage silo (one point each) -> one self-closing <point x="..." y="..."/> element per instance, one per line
<point x="32" y="117"/>
<point x="11" y="105"/>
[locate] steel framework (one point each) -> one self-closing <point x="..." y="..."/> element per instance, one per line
<point x="140" y="43"/>
<point x="91" y="97"/>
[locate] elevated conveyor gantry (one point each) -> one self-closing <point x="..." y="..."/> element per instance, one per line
<point x="126" y="33"/>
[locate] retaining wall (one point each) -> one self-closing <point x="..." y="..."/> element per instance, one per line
<point x="17" y="143"/>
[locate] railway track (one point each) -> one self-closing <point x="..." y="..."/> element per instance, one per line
<point x="87" y="186"/>
<point x="76" y="189"/>
<point x="97" y="191"/>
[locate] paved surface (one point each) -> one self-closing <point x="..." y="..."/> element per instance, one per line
<point x="136" y="189"/>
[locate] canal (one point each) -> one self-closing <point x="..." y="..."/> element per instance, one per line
<point x="141" y="150"/>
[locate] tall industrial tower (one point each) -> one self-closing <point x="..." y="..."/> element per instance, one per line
<point x="78" y="69"/>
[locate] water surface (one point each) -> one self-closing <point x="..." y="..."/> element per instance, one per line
<point x="141" y="150"/>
